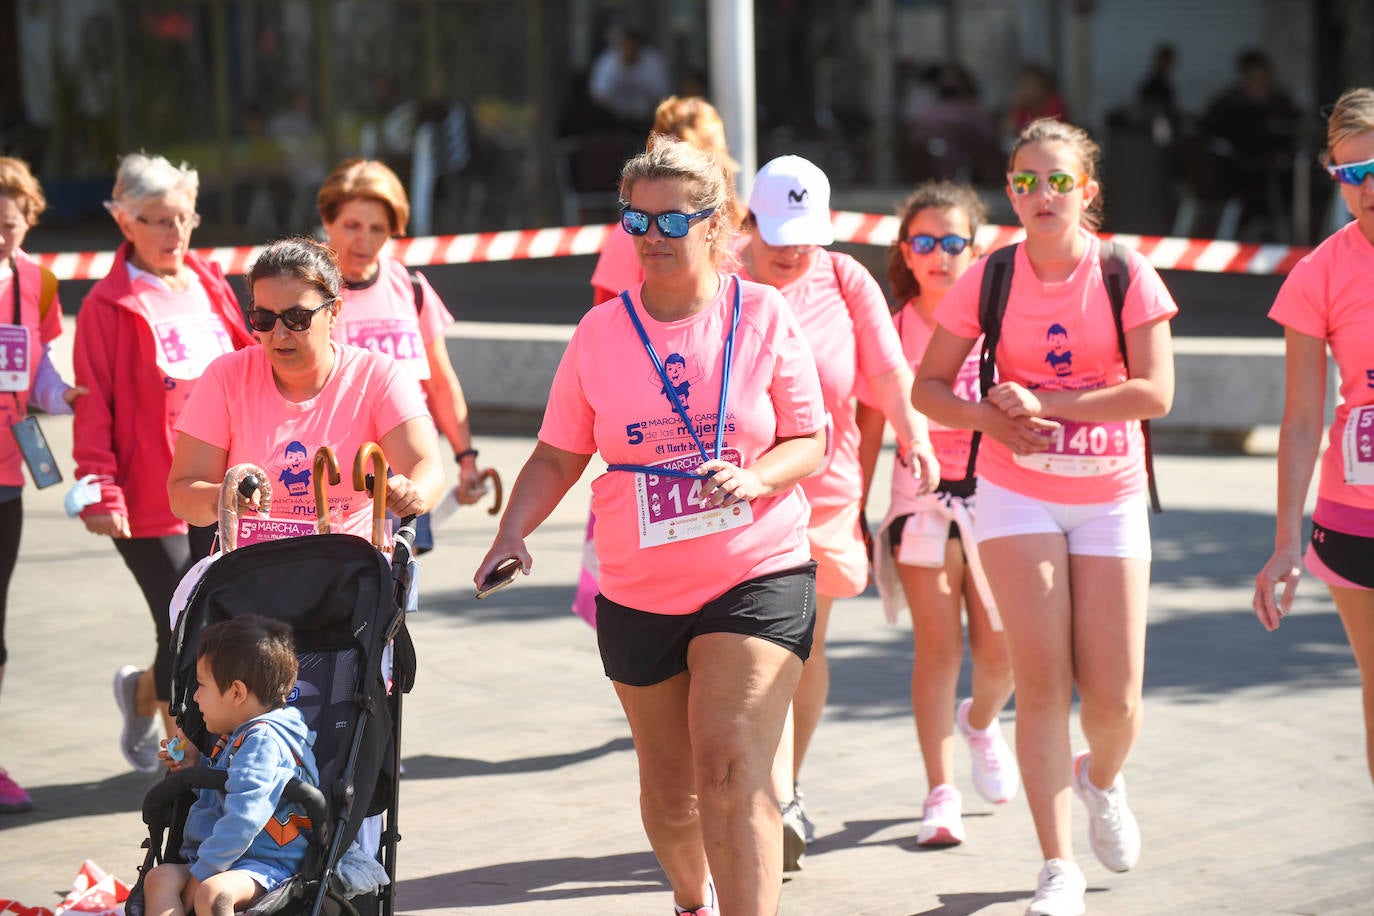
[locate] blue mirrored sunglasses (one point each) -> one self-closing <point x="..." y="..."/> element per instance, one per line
<point x="925" y="244"/>
<point x="1352" y="173"/>
<point x="672" y="224"/>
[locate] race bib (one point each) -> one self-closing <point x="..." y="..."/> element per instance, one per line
<point x="1357" y="446"/>
<point x="258" y="530"/>
<point x="671" y="509"/>
<point x="398" y="338"/>
<point x="1081" y="450"/>
<point x="186" y="344"/>
<point x="14" y="358"/>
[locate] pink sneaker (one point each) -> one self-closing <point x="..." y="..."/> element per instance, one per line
<point x="13" y="799"/>
<point x="942" y="821"/>
<point x="706" y="909"/>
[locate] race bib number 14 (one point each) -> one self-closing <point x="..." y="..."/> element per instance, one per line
<point x="672" y="508"/>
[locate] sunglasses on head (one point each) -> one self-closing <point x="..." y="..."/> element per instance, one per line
<point x="673" y="224"/>
<point x="1059" y="182"/>
<point x="296" y="318"/>
<point x="952" y="244"/>
<point x="1352" y="172"/>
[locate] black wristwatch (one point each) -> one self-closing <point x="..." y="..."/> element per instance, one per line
<point x="465" y="453"/>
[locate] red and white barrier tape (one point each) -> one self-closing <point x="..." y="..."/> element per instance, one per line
<point x="1208" y="255"/>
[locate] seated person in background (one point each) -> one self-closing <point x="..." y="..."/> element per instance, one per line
<point x="629" y="78"/>
<point x="242" y="841"/>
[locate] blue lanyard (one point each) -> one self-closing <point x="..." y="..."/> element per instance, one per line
<point x="671" y="392"/>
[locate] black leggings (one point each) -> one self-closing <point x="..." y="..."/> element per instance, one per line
<point x="158" y="565"/>
<point x="11" y="526"/>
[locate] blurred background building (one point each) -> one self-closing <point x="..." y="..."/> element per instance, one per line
<point x="496" y="111"/>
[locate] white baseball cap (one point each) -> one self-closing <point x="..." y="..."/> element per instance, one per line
<point x="791" y="203"/>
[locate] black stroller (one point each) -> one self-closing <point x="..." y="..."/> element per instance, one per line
<point x="346" y="603"/>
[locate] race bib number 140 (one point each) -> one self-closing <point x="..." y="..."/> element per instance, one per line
<point x="1081" y="450"/>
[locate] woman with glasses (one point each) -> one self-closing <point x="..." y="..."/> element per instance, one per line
<point x="299" y="391"/>
<point x="844" y="316"/>
<point x="28" y="296"/>
<point x="693" y="120"/>
<point x="1063" y="517"/>
<point x="700" y="391"/>
<point x="387" y="308"/>
<point x="1327" y="301"/>
<point x="144" y="335"/>
<point x="924" y="554"/>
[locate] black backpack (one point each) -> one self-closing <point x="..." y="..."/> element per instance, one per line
<point x="992" y="305"/>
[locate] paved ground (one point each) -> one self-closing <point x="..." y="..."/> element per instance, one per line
<point x="1249" y="780"/>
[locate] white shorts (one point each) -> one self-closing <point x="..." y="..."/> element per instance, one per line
<point x="1114" y="529"/>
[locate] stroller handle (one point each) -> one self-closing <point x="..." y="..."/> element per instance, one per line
<point x="240" y="483"/>
<point x="326" y="468"/>
<point x="371" y="453"/>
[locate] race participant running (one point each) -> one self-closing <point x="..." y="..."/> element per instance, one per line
<point x="29" y="294"/>
<point x="144" y="335"/>
<point x="302" y="388"/>
<point x="390" y="309"/>
<point x="844" y="316"/>
<point x="700" y="391"/>
<point x="1063" y="518"/>
<point x="924" y="554"/>
<point x="1327" y="301"/>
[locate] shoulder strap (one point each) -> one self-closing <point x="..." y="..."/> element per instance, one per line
<point x="418" y="290"/>
<point x="47" y="292"/>
<point x="992" y="305"/>
<point x="1116" y="273"/>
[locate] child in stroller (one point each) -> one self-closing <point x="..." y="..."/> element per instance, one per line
<point x="244" y="841"/>
<point x="346" y="607"/>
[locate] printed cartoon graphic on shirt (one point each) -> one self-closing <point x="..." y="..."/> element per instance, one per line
<point x="296" y="475"/>
<point x="680" y="377"/>
<point x="1059" y="357"/>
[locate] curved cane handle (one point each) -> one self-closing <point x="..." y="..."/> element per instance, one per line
<point x="326" y="469"/>
<point x="231" y="491"/>
<point x="371" y="453"/>
<point x="497" y="490"/>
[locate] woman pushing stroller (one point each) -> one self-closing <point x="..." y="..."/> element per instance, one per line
<point x="301" y="390"/>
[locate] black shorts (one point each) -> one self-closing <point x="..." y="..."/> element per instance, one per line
<point x="894" y="531"/>
<point x="640" y="649"/>
<point x="1347" y="555"/>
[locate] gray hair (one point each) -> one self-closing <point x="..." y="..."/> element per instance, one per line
<point x="142" y="178"/>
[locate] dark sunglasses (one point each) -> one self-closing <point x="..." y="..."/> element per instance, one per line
<point x="952" y="244"/>
<point x="1060" y="182"/>
<point x="296" y="318"/>
<point x="672" y="224"/>
<point x="1352" y="172"/>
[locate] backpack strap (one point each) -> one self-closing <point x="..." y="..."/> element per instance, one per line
<point x="418" y="290"/>
<point x="1116" y="273"/>
<point x="47" y="292"/>
<point x="992" y="305"/>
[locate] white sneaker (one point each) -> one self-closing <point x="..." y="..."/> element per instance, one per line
<point x="942" y="822"/>
<point x="1059" y="890"/>
<point x="138" y="740"/>
<point x="809" y="830"/>
<point x="1112" y="828"/>
<point x="995" y="774"/>
<point x="793" y="836"/>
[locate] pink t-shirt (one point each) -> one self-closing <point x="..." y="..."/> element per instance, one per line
<point x="1061" y="337"/>
<point x="236" y="407"/>
<point x="617" y="267"/>
<point x="951" y="445"/>
<point x="607" y="397"/>
<point x="381" y="316"/>
<point x="844" y="316"/>
<point x="1329" y="295"/>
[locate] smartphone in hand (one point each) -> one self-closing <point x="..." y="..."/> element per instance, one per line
<point x="499" y="578"/>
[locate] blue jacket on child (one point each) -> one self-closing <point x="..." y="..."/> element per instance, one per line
<point x="248" y="822"/>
